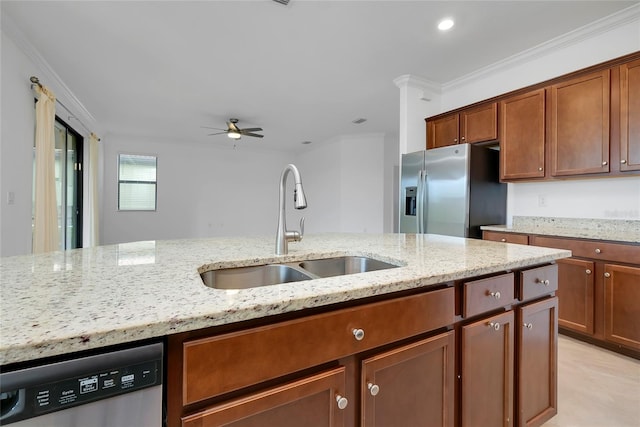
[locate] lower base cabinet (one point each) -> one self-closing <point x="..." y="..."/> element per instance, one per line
<point x="410" y="386"/>
<point x="537" y="364"/>
<point x="312" y="401"/>
<point x="487" y="348"/>
<point x="576" y="291"/>
<point x="622" y="305"/>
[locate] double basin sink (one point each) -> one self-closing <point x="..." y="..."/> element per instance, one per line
<point x="273" y="274"/>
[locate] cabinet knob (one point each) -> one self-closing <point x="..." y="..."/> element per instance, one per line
<point x="623" y="161"/>
<point x="598" y="251"/>
<point x="455" y="139"/>
<point x="494" y="325"/>
<point x="503" y="240"/>
<point x="607" y="275"/>
<point x="540" y="169"/>
<point x="604" y="163"/>
<point x="463" y="138"/>
<point x="587" y="271"/>
<point x="528" y="325"/>
<point x="543" y="282"/>
<point x="373" y="389"/>
<point x="358" y="334"/>
<point x="342" y="401"/>
<point x="496" y="294"/>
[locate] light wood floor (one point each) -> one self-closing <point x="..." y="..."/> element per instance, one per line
<point x="596" y="387"/>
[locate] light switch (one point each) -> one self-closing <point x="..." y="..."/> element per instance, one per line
<point x="11" y="197"/>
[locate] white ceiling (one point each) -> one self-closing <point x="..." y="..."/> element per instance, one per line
<point x="302" y="71"/>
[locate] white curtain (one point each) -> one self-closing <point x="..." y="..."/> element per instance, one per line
<point x="45" y="231"/>
<point x="93" y="190"/>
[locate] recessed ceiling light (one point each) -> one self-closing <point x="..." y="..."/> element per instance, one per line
<point x="445" y="24"/>
<point x="306" y="142"/>
<point x="358" y="121"/>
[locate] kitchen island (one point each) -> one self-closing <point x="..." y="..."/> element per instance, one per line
<point x="66" y="302"/>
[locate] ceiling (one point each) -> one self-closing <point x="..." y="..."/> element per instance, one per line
<point x="302" y="72"/>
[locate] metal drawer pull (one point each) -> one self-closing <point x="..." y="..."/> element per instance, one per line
<point x="496" y="294"/>
<point x="342" y="401"/>
<point x="623" y="161"/>
<point x="359" y="334"/>
<point x="604" y="163"/>
<point x="373" y="389"/>
<point x="528" y="325"/>
<point x="495" y="325"/>
<point x="540" y="169"/>
<point x="588" y="271"/>
<point x="607" y="275"/>
<point x="503" y="240"/>
<point x="543" y="282"/>
<point x="598" y="251"/>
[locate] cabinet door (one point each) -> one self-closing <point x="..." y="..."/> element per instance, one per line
<point x="411" y="385"/>
<point x="522" y="136"/>
<point x="312" y="401"/>
<point x="579" y="133"/>
<point x="479" y="124"/>
<point x="630" y="116"/>
<point x="622" y="305"/>
<point x="443" y="131"/>
<point x="487" y="349"/>
<point x="538" y="362"/>
<point x="575" y="292"/>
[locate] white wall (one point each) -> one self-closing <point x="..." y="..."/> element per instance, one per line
<point x="611" y="198"/>
<point x="16" y="149"/>
<point x="344" y="179"/>
<point x="203" y="190"/>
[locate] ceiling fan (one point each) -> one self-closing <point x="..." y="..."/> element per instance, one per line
<point x="234" y="132"/>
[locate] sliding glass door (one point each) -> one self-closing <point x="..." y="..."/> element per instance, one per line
<point x="69" y="185"/>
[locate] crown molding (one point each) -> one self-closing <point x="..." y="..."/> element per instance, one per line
<point x="585" y="32"/>
<point x="68" y="100"/>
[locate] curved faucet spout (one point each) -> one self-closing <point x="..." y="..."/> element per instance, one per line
<point x="284" y="236"/>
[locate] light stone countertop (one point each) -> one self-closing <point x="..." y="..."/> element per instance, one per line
<point x="622" y="231"/>
<point x="62" y="302"/>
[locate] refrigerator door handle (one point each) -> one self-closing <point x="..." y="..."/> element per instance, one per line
<point x="424" y="213"/>
<point x="419" y="203"/>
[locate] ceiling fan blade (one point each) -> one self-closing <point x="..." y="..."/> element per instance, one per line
<point x="252" y="134"/>
<point x="219" y="133"/>
<point x="207" y="127"/>
<point x="250" y="130"/>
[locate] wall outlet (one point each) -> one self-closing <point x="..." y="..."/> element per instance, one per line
<point x="542" y="201"/>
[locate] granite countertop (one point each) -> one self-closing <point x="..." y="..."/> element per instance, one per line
<point x="62" y="302"/>
<point x="622" y="231"/>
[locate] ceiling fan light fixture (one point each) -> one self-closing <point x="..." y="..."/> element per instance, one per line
<point x="445" y="24"/>
<point x="234" y="135"/>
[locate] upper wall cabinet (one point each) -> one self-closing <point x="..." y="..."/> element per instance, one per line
<point x="522" y="136"/>
<point x="579" y="133"/>
<point x="476" y="124"/>
<point x="630" y="116"/>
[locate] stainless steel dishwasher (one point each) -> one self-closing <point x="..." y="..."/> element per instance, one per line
<point x="116" y="389"/>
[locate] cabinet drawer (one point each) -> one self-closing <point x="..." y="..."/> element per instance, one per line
<point x="488" y="294"/>
<point x="592" y="249"/>
<point x="538" y="281"/>
<point x="496" y="236"/>
<point x="220" y="364"/>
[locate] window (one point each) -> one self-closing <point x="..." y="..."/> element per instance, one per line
<point x="136" y="182"/>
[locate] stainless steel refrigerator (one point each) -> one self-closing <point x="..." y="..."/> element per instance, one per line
<point x="451" y="190"/>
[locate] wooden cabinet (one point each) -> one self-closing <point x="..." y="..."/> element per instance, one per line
<point x="313" y="399"/>
<point x="576" y="291"/>
<point x="497" y="236"/>
<point x="537" y="365"/>
<point x="599" y="291"/>
<point x="412" y="385"/>
<point x="579" y="134"/>
<point x="522" y="136"/>
<point x="476" y="124"/>
<point x="487" y="348"/>
<point x="622" y="305"/>
<point x="630" y="116"/>
<point x="443" y="131"/>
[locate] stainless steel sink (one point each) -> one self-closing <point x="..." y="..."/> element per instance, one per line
<point x="339" y="266"/>
<point x="251" y="277"/>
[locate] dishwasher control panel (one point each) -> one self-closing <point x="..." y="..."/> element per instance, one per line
<point x="50" y="389"/>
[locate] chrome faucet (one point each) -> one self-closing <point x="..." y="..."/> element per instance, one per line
<point x="284" y="236"/>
